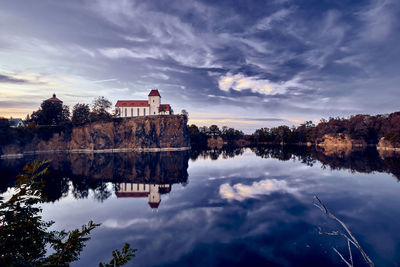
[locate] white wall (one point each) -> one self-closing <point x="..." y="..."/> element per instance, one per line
<point x="133" y="111"/>
<point x="154" y="102"/>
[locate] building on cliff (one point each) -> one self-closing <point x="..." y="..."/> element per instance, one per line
<point x="152" y="191"/>
<point x="134" y="108"/>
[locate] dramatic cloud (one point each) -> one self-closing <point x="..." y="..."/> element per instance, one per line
<point x="239" y="82"/>
<point x="8" y="79"/>
<point x="277" y="59"/>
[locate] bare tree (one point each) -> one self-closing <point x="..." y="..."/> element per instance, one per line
<point x="347" y="235"/>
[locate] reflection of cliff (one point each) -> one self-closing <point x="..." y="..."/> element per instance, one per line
<point x="101" y="173"/>
<point x="141" y="167"/>
<point x="151" y="191"/>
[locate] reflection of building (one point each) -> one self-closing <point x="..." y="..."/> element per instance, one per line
<point x="152" y="191"/>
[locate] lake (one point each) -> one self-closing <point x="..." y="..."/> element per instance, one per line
<point x="234" y="207"/>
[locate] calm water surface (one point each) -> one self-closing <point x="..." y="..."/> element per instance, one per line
<point x="225" y="208"/>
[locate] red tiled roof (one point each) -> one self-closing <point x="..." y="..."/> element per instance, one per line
<point x="164" y="107"/>
<point x="132" y="103"/>
<point x="154" y="205"/>
<point x="132" y="194"/>
<point x="54" y="99"/>
<point x="154" y="93"/>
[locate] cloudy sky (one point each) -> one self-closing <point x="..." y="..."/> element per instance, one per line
<point x="246" y="64"/>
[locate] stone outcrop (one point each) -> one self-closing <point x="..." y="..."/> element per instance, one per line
<point x="151" y="133"/>
<point x="340" y="140"/>
<point x="340" y="144"/>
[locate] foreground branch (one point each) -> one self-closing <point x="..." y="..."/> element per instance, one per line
<point x="348" y="236"/>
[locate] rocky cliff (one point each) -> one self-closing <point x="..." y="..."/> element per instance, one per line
<point x="340" y="140"/>
<point x="129" y="134"/>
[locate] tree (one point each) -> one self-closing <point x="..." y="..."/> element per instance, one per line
<point x="185" y="113"/>
<point x="51" y="113"/>
<point x="100" y="109"/>
<point x="24" y="236"/>
<point x="120" y="258"/>
<point x="214" y="130"/>
<point x="5" y="131"/>
<point x="204" y="130"/>
<point x="80" y="114"/>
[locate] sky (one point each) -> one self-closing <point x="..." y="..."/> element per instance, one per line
<point x="243" y="64"/>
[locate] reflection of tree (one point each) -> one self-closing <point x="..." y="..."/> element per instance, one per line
<point x="214" y="154"/>
<point x="80" y="190"/>
<point x="24" y="236"/>
<point x="89" y="172"/>
<point x="85" y="173"/>
<point x="364" y="161"/>
<point x="101" y="193"/>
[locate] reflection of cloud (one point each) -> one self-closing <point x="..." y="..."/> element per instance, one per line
<point x="113" y="223"/>
<point x="264" y="187"/>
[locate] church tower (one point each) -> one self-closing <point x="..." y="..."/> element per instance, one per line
<point x="154" y="102"/>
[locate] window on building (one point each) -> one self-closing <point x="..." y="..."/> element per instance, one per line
<point x="153" y="100"/>
<point x="131" y="112"/>
<point x="144" y="112"/>
<point x="126" y="113"/>
<point x="154" y="112"/>
<point x="138" y="111"/>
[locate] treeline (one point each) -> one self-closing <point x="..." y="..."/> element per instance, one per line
<point x="54" y="117"/>
<point x="359" y="127"/>
<point x="199" y="135"/>
<point x="55" y="113"/>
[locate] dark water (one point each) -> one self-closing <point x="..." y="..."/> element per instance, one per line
<point x="237" y="207"/>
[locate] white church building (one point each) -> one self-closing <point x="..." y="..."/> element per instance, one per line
<point x="152" y="106"/>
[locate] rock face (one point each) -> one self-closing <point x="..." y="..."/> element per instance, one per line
<point x="139" y="133"/>
<point x="343" y="140"/>
<point x="339" y="144"/>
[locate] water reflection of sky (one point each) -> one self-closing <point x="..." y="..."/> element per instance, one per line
<point x="245" y="210"/>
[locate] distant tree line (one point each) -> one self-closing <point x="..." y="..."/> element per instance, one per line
<point x="200" y="135"/>
<point x="359" y="127"/>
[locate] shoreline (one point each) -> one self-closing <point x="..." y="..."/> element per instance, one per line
<point x="166" y="149"/>
<point x="93" y="151"/>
